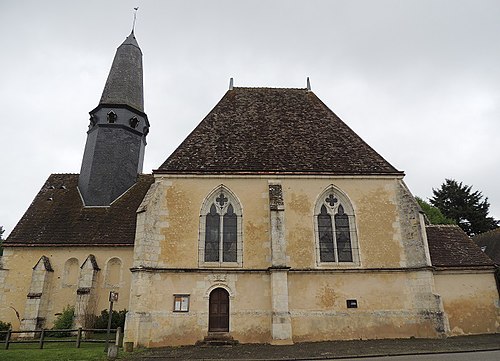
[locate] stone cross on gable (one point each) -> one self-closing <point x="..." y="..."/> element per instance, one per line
<point x="221" y="199"/>
<point x="331" y="200"/>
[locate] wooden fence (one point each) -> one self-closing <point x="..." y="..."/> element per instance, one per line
<point x="77" y="337"/>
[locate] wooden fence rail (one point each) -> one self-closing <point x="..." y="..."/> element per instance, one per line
<point x="43" y="336"/>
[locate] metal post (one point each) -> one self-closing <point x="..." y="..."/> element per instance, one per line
<point x="109" y="325"/>
<point x="79" y="337"/>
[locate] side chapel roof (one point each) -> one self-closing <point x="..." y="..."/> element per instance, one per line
<point x="450" y="246"/>
<point x="57" y="216"/>
<point x="274" y="130"/>
<point x="491" y="242"/>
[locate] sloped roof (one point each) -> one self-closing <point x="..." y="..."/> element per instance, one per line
<point x="274" y="130"/>
<point x="57" y="216"/>
<point x="491" y="241"/>
<point x="450" y="246"/>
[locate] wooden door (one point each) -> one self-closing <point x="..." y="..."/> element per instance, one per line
<point x="218" y="318"/>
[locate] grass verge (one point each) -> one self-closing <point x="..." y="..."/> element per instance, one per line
<point x="54" y="351"/>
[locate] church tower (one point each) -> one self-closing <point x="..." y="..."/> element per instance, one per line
<point x="114" y="151"/>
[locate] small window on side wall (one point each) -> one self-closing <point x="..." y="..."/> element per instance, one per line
<point x="181" y="303"/>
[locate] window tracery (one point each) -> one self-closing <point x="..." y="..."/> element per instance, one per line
<point x="335" y="229"/>
<point x="220" y="229"/>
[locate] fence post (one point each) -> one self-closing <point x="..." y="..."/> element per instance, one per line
<point x="7" y="338"/>
<point x="42" y="336"/>
<point x="118" y="336"/>
<point x="110" y="317"/>
<point x="79" y="337"/>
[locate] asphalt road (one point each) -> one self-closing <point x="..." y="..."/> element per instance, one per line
<point x="461" y="356"/>
<point x="461" y="348"/>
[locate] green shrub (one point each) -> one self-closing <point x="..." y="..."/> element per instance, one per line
<point x="64" y="321"/>
<point x="4" y="327"/>
<point x="117" y="319"/>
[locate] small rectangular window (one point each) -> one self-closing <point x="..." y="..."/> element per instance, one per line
<point x="181" y="303"/>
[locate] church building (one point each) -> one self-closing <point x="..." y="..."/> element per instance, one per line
<point x="272" y="222"/>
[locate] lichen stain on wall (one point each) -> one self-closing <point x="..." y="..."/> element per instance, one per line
<point x="254" y="331"/>
<point x="470" y="316"/>
<point x="256" y="244"/>
<point x="300" y="204"/>
<point x="376" y="233"/>
<point x="181" y="237"/>
<point x="357" y="324"/>
<point x="300" y="246"/>
<point x="176" y="331"/>
<point x="326" y="296"/>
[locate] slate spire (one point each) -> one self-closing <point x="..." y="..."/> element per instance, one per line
<point x="124" y="84"/>
<point x="116" y="138"/>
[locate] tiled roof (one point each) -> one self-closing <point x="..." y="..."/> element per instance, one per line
<point x="491" y="241"/>
<point x="58" y="217"/>
<point x="450" y="246"/>
<point x="274" y="130"/>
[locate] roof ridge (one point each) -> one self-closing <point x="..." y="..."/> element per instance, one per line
<point x="268" y="87"/>
<point x="442" y="225"/>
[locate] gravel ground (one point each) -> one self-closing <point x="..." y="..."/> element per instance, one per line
<point x="322" y="350"/>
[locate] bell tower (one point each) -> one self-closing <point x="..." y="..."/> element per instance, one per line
<point x="114" y="151"/>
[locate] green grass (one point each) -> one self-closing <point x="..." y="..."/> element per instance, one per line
<point x="54" y="351"/>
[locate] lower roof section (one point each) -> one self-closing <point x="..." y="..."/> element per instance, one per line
<point x="451" y="247"/>
<point x="58" y="217"/>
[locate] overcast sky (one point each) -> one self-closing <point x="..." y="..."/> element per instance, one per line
<point x="418" y="80"/>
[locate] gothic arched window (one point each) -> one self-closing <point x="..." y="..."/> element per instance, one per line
<point x="335" y="229"/>
<point x="220" y="229"/>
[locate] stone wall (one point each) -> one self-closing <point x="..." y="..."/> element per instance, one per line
<point x="470" y="301"/>
<point x="19" y="261"/>
<point x="152" y="320"/>
<point x="281" y="293"/>
<point x="168" y="222"/>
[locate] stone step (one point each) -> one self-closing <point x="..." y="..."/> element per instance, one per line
<point x="218" y="339"/>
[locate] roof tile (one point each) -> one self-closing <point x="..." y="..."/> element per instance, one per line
<point x="450" y="246"/>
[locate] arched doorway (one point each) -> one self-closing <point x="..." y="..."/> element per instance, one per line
<point x="218" y="311"/>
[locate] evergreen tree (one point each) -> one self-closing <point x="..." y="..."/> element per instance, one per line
<point x="434" y="214"/>
<point x="466" y="207"/>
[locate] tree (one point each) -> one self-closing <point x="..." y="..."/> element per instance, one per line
<point x="117" y="319"/>
<point x="434" y="214"/>
<point x="466" y="207"/>
<point x="64" y="321"/>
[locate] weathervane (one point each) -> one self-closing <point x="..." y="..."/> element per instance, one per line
<point x="135" y="16"/>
